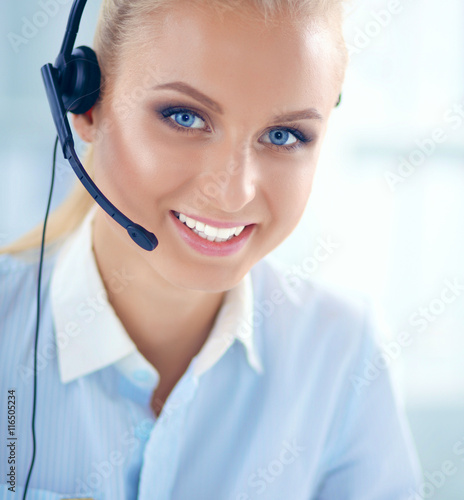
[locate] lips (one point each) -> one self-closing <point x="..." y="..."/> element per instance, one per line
<point x="212" y="248"/>
<point x="210" y="232"/>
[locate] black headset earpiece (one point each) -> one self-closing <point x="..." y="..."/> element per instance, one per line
<point x="73" y="84"/>
<point x="80" y="80"/>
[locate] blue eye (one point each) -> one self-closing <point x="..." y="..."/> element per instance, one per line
<point x="187" y="119"/>
<point x="280" y="137"/>
<point x="183" y="117"/>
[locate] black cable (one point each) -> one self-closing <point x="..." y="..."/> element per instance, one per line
<point x="39" y="280"/>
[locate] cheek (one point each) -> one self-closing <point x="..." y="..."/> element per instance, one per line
<point x="290" y="194"/>
<point x="134" y="167"/>
<point x="296" y="186"/>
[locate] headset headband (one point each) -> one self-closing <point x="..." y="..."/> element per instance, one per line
<point x="72" y="29"/>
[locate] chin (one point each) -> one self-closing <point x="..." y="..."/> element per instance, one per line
<point x="208" y="279"/>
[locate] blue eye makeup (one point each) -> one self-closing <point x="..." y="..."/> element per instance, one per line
<point x="189" y="121"/>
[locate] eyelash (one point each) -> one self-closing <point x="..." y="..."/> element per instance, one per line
<point x="166" y="113"/>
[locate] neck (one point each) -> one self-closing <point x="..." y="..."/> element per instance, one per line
<point x="168" y="324"/>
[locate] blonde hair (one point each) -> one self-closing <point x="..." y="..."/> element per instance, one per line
<point x="118" y="19"/>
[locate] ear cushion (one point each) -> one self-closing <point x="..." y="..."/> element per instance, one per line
<point x="80" y="86"/>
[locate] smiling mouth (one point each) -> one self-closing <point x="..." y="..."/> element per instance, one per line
<point x="207" y="232"/>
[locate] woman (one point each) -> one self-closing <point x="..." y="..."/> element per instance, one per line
<point x="197" y="370"/>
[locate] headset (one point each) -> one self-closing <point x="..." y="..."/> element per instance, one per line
<point x="73" y="84"/>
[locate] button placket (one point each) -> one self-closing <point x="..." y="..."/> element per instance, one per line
<point x="161" y="455"/>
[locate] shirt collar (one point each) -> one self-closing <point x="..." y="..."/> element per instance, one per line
<point x="90" y="336"/>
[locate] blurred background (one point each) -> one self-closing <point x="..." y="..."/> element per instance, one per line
<point x="387" y="195"/>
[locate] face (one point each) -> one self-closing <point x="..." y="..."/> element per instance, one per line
<point x="221" y="122"/>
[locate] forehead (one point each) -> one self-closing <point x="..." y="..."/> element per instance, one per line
<point x="235" y="56"/>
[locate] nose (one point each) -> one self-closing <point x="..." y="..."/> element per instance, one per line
<point x="230" y="182"/>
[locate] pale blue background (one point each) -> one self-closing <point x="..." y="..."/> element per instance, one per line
<point x="398" y="245"/>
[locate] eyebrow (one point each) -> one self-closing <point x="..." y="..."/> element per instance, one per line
<point x="185" y="88"/>
<point x="305" y="114"/>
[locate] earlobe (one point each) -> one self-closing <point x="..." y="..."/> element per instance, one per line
<point x="84" y="125"/>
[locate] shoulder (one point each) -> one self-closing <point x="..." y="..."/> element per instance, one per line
<point x="312" y="317"/>
<point x="306" y="297"/>
<point x="18" y="277"/>
<point x="26" y="261"/>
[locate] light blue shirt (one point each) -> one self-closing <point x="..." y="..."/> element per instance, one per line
<point x="270" y="408"/>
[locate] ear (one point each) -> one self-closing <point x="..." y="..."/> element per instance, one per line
<point x="84" y="125"/>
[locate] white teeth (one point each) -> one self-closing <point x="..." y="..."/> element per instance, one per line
<point x="224" y="232"/>
<point x="210" y="233"/>
<point x="211" y="238"/>
<point x="190" y="222"/>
